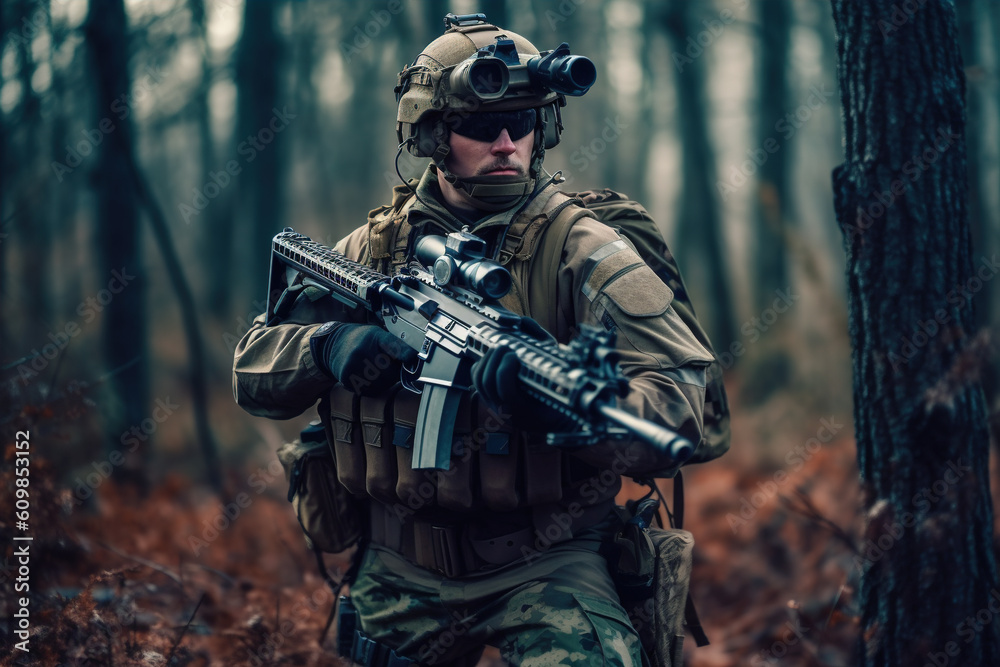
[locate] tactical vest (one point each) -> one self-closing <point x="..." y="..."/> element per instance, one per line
<point x="493" y="466"/>
<point x="389" y="246"/>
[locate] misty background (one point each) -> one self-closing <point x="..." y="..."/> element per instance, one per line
<point x="150" y="150"/>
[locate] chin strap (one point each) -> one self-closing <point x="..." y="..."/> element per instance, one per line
<point x="493" y="193"/>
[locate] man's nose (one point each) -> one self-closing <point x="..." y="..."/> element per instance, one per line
<point x="503" y="144"/>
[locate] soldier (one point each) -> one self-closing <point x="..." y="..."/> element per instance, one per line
<point x="504" y="547"/>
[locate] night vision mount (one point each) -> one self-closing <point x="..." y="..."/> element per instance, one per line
<point x="496" y="69"/>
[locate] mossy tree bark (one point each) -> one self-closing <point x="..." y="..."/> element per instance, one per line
<point x="923" y="444"/>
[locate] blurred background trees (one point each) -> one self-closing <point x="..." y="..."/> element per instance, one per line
<point x="239" y="118"/>
<point x="245" y="117"/>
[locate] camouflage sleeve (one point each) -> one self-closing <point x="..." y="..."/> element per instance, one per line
<point x="605" y="283"/>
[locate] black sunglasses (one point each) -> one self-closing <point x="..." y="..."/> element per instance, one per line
<point x="487" y="125"/>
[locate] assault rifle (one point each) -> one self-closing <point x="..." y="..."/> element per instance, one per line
<point x="450" y="314"/>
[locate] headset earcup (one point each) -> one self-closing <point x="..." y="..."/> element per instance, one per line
<point x="552" y="122"/>
<point x="424" y="140"/>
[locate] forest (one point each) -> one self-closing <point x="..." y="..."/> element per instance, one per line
<point x="826" y="174"/>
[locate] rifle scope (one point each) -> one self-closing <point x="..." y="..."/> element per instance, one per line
<point x="458" y="260"/>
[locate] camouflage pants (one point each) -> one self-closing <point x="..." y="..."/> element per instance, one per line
<point x="559" y="609"/>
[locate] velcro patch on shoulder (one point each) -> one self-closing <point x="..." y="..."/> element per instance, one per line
<point x="605" y="264"/>
<point x="380" y="238"/>
<point x="640" y="293"/>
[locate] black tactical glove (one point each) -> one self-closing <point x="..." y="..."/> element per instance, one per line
<point x="365" y="358"/>
<point x="495" y="378"/>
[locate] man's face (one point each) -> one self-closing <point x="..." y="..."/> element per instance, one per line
<point x="500" y="155"/>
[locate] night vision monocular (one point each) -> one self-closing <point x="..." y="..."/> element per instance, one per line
<point x="496" y="69"/>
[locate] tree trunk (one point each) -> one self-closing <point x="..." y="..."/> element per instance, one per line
<point x="316" y="195"/>
<point x="927" y="560"/>
<point x="261" y="150"/>
<point x="364" y="133"/>
<point x="647" y="128"/>
<point x="124" y="316"/>
<point x="34" y="232"/>
<point x="992" y="314"/>
<point x="773" y="190"/>
<point x="603" y="170"/>
<point x="699" y="227"/>
<point x="215" y="223"/>
<point x="4" y="214"/>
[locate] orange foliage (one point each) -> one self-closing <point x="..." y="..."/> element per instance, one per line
<point x="177" y="576"/>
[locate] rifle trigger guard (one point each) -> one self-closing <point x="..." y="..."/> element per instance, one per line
<point x="408" y="377"/>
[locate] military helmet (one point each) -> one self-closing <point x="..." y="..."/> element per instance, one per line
<point x="478" y="66"/>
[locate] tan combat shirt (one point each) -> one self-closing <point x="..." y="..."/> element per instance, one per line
<point x="601" y="281"/>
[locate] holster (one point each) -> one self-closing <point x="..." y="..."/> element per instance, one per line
<point x="651" y="568"/>
<point x="331" y="518"/>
